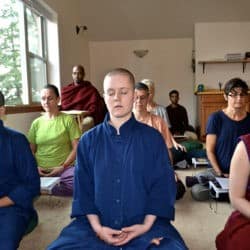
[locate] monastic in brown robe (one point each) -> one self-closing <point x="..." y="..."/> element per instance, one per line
<point x="83" y="96"/>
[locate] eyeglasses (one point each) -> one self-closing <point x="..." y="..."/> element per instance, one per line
<point x="234" y="95"/>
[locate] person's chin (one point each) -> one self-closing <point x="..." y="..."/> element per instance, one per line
<point x="118" y="114"/>
<point x="239" y="105"/>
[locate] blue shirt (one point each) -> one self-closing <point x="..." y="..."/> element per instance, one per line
<point x="227" y="132"/>
<point x="19" y="178"/>
<point x="124" y="177"/>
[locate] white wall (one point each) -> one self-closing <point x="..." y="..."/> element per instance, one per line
<point x="73" y="48"/>
<point x="20" y="122"/>
<point x="168" y="63"/>
<point x="214" y="41"/>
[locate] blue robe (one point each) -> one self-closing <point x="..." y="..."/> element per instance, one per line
<point x="227" y="132"/>
<point x="20" y="181"/>
<point x="122" y="178"/>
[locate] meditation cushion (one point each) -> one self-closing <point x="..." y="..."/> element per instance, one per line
<point x="200" y="192"/>
<point x="192" y="145"/>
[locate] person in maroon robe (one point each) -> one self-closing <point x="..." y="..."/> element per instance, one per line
<point x="235" y="234"/>
<point x="82" y="95"/>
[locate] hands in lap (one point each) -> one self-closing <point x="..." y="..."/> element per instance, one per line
<point x="50" y="171"/>
<point x="125" y="235"/>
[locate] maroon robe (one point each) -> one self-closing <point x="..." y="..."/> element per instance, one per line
<point x="235" y="235"/>
<point x="83" y="96"/>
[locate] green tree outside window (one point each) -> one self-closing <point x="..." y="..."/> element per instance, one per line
<point x="10" y="58"/>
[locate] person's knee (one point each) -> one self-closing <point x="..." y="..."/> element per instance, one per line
<point x="166" y="244"/>
<point x="12" y="230"/>
<point x="8" y="243"/>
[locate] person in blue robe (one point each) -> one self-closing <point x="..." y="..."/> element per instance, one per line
<point x="19" y="185"/>
<point x="124" y="187"/>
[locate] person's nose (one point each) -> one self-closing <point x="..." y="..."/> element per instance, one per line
<point x="46" y="101"/>
<point x="139" y="100"/>
<point x="117" y="96"/>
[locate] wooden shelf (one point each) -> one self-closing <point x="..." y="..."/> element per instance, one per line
<point x="243" y="61"/>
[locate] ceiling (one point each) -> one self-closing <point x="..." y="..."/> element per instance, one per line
<point x="108" y="20"/>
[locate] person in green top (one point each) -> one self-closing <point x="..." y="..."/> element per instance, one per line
<point x="53" y="140"/>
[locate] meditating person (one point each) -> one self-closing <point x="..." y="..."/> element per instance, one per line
<point x="82" y="95"/>
<point x="19" y="185"/>
<point x="155" y="121"/>
<point x="53" y="140"/>
<point x="159" y="110"/>
<point x="179" y="126"/>
<point x="235" y="235"/>
<point x="152" y="106"/>
<point x="125" y="190"/>
<point x="177" y="115"/>
<point x="223" y="129"/>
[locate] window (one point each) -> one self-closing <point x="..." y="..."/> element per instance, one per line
<point x="24" y="54"/>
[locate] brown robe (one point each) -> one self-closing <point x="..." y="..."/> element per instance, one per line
<point x="83" y="96"/>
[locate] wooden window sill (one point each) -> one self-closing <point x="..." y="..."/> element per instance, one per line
<point x="23" y="109"/>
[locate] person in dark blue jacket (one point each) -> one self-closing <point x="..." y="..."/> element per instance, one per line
<point x="19" y="185"/>
<point x="124" y="187"/>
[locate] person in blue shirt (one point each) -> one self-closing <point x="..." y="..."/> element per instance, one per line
<point x="222" y="132"/>
<point x="19" y="185"/>
<point x="124" y="187"/>
<point x="226" y="125"/>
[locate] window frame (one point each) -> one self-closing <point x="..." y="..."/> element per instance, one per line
<point x="26" y="108"/>
<point x="46" y="16"/>
<point x="31" y="55"/>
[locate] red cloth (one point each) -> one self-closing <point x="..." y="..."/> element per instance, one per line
<point x="235" y="235"/>
<point x="83" y="96"/>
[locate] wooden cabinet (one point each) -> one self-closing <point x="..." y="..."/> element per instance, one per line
<point x="209" y="102"/>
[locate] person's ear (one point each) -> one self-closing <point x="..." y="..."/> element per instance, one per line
<point x="225" y="97"/>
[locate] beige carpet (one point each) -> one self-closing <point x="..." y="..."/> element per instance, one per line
<point x="196" y="221"/>
<point x="53" y="214"/>
<point x="199" y="222"/>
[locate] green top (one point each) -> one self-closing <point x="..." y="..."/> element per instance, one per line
<point x="53" y="139"/>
